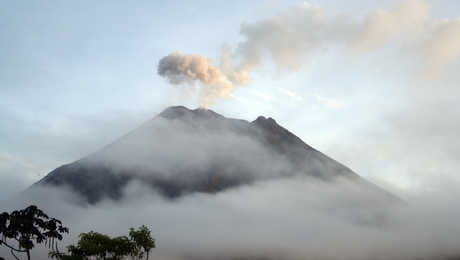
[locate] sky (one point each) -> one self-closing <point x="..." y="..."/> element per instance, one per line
<point x="75" y="76"/>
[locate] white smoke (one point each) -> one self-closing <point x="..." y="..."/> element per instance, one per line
<point x="381" y="26"/>
<point x="179" y="68"/>
<point x="291" y="37"/>
<point x="441" y="45"/>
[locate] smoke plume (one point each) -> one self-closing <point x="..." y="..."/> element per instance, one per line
<point x="291" y="37"/>
<point x="441" y="45"/>
<point x="179" y="68"/>
<point x="381" y="26"/>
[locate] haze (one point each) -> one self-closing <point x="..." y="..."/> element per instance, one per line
<point x="372" y="84"/>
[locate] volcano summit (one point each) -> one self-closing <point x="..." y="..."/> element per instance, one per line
<point x="183" y="151"/>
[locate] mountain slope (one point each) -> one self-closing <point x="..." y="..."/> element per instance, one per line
<point x="183" y="151"/>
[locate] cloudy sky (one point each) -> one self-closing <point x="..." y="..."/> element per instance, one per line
<point x="373" y="84"/>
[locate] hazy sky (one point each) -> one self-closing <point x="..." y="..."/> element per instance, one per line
<point x="74" y="76"/>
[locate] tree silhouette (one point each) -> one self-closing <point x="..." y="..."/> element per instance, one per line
<point x="28" y="227"/>
<point x="94" y="245"/>
<point x="143" y="240"/>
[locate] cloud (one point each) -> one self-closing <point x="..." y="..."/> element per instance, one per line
<point x="287" y="217"/>
<point x="382" y="26"/>
<point x="329" y="102"/>
<point x="441" y="45"/>
<point x="293" y="218"/>
<point x="291" y="94"/>
<point x="291" y="38"/>
<point x="15" y="174"/>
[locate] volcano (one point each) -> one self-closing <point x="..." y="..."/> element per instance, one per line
<point x="182" y="151"/>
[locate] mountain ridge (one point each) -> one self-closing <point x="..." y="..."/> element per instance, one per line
<point x="182" y="151"/>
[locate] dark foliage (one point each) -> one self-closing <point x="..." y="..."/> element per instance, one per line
<point x="28" y="227"/>
<point x="94" y="245"/>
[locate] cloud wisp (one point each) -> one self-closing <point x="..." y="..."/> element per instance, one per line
<point x="290" y="38"/>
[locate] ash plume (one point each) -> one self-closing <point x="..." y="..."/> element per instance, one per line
<point x="441" y="45"/>
<point x="290" y="38"/>
<point x="181" y="68"/>
<point x="381" y="26"/>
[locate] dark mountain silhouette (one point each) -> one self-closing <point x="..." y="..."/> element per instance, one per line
<point x="184" y="151"/>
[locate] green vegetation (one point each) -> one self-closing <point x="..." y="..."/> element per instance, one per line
<point x="94" y="245"/>
<point x="30" y="226"/>
<point x="143" y="240"/>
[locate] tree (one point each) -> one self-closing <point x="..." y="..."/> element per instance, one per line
<point x="99" y="246"/>
<point x="93" y="244"/>
<point x="122" y="246"/>
<point x="28" y="227"/>
<point x="143" y="240"/>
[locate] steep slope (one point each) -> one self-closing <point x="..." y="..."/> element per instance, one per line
<point x="183" y="151"/>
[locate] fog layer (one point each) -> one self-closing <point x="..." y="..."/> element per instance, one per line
<point x="295" y="218"/>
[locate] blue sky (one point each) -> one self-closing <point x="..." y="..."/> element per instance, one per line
<point x="74" y="76"/>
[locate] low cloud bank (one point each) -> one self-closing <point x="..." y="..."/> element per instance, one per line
<point x="295" y="218"/>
